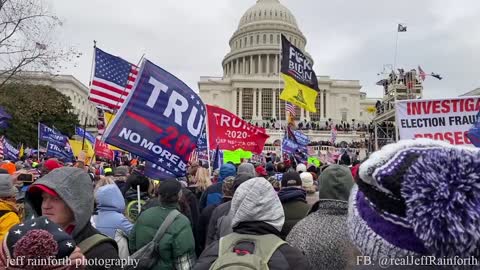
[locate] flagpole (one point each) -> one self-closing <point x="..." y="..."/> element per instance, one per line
<point x="84" y="132"/>
<point x="279" y="93"/>
<point x="38" y="141"/>
<point x="396" y="51"/>
<point x="207" y="135"/>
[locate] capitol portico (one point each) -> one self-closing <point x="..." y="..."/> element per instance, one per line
<point x="250" y="86"/>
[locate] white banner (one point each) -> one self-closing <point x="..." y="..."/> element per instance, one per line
<point x="439" y="119"/>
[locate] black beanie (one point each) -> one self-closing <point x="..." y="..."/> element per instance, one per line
<point x="290" y="179"/>
<point x="169" y="188"/>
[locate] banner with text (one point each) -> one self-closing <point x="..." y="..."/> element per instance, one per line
<point x="230" y="132"/>
<point x="102" y="150"/>
<point x="9" y="151"/>
<point x="439" y="119"/>
<point x="160" y="121"/>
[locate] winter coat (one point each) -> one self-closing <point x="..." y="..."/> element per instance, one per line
<point x="213" y="194"/>
<point x="215" y="229"/>
<point x="295" y="207"/>
<point x="284" y="258"/>
<point x="8" y="217"/>
<point x="110" y="208"/>
<point x="323" y="237"/>
<point x="74" y="187"/>
<point x="177" y="241"/>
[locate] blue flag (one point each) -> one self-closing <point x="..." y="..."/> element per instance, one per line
<point x="10" y="152"/>
<point x="60" y="151"/>
<point x="4" y="118"/>
<point x="301" y="138"/>
<point x="474" y="133"/>
<point x="51" y="135"/>
<point x="202" y="141"/>
<point x="160" y="121"/>
<point x="156" y="172"/>
<point x="81" y="132"/>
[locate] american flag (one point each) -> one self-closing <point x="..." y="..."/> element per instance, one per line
<point x="291" y="109"/>
<point x="112" y="81"/>
<point x="1" y="146"/>
<point x="422" y="75"/>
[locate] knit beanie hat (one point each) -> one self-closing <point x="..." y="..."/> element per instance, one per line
<point x="169" y="188"/>
<point x="417" y="197"/>
<point x="290" y="179"/>
<point x="335" y="183"/>
<point x="6" y="186"/>
<point x="247" y="168"/>
<point x="301" y="168"/>
<point x="227" y="187"/>
<point x="37" y="239"/>
<point x="307" y="179"/>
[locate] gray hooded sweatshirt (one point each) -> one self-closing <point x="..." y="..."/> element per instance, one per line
<point x="74" y="187"/>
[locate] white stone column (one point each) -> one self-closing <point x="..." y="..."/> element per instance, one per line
<point x="244" y="69"/>
<point x="320" y="93"/>
<point x="276" y="63"/>
<point x="307" y="116"/>
<point x="259" y="64"/>
<point x="268" y="63"/>
<point x="255" y="100"/>
<point x="327" y="106"/>
<point x="235" y="109"/>
<point x="260" y="117"/>
<point x="237" y="68"/>
<point x="302" y="114"/>
<point x="274" y="103"/>
<point x="241" y="103"/>
<point x="251" y="64"/>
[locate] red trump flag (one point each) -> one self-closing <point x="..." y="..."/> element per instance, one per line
<point x="230" y="132"/>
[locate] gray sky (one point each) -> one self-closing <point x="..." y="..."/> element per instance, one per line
<point x="347" y="39"/>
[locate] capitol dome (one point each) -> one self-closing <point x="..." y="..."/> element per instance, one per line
<point x="255" y="46"/>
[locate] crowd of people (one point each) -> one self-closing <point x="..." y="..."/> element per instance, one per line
<point x="411" y="198"/>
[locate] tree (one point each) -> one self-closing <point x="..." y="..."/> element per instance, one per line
<point x="29" y="104"/>
<point x="27" y="39"/>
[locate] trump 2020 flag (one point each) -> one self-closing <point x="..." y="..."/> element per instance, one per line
<point x="160" y="121"/>
<point x="51" y="135"/>
<point x="62" y="151"/>
<point x="301" y="84"/>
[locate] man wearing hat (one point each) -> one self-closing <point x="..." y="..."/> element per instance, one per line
<point x="294" y="201"/>
<point x="177" y="246"/>
<point x="65" y="196"/>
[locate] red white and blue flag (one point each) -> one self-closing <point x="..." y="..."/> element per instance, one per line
<point x="290" y="108"/>
<point x="112" y="81"/>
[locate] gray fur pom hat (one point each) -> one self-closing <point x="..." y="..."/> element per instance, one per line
<point x="417" y="197"/>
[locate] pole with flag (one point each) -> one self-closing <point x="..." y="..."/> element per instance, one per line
<point x="400" y="28"/>
<point x="38" y="141"/>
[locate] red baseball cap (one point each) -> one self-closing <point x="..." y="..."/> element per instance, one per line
<point x="42" y="188"/>
<point x="52" y="164"/>
<point x="261" y="171"/>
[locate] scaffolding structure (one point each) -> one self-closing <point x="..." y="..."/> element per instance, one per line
<point x="398" y="86"/>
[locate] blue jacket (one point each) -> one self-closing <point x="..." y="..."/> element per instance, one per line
<point x="213" y="195"/>
<point x="111" y="205"/>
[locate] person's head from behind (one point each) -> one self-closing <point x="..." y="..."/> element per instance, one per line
<point x="335" y="183"/>
<point x="7" y="190"/>
<point x="169" y="191"/>
<point x="202" y="178"/>
<point x="291" y="179"/>
<point x="65" y="196"/>
<point x="135" y="180"/>
<point x="281" y="167"/>
<point x="255" y="200"/>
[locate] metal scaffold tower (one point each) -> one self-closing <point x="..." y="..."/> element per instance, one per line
<point x="399" y="85"/>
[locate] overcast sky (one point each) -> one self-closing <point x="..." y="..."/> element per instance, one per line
<point x="347" y="39"/>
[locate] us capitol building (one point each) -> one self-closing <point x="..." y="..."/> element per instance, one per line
<point x="251" y="85"/>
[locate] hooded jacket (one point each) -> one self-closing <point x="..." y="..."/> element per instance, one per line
<point x="74" y="187"/>
<point x="8" y="217"/>
<point x="213" y="194"/>
<point x="110" y="206"/>
<point x="256" y="210"/>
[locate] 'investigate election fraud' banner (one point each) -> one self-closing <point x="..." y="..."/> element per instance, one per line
<point x="439" y="119"/>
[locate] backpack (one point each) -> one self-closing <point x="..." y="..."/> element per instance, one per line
<point x="122" y="241"/>
<point x="229" y="258"/>
<point x="132" y="212"/>
<point x="148" y="255"/>
<point x="88" y="244"/>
